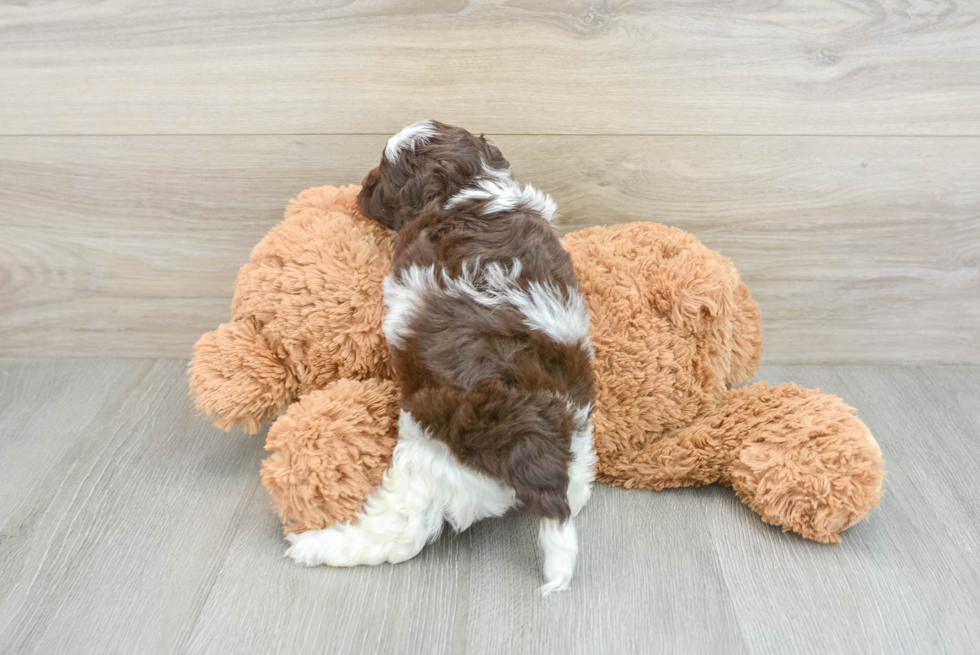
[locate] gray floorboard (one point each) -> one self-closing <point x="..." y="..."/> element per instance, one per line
<point x="126" y="516"/>
<point x="128" y="524"/>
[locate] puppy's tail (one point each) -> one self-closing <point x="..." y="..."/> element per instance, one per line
<point x="519" y="437"/>
<point x="523" y="439"/>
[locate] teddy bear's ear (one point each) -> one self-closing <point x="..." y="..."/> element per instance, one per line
<point x="695" y="289"/>
<point x="238" y="379"/>
<point x="703" y="292"/>
<point x="746" y="337"/>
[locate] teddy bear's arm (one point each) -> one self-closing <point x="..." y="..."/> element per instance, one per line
<point x="238" y="379"/>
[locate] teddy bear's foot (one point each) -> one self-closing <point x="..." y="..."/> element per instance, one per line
<point x="797" y="457"/>
<point x="238" y="379"/>
<point x="808" y="465"/>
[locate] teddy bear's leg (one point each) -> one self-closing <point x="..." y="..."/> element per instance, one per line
<point x="423" y="487"/>
<point x="799" y="458"/>
<point x="329" y="451"/>
<point x="806" y="463"/>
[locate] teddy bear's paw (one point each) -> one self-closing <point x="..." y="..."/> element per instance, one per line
<point x="329" y="451"/>
<point x="812" y="467"/>
<point x="238" y="378"/>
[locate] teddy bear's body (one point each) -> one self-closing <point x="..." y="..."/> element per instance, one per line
<point x="674" y="329"/>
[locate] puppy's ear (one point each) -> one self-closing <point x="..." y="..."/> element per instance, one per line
<point x="492" y="155"/>
<point x="375" y="203"/>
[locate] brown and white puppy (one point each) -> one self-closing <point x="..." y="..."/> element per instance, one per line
<point x="490" y="343"/>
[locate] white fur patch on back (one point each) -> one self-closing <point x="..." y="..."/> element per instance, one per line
<point x="504" y="194"/>
<point x="404" y="291"/>
<point x="558" y="312"/>
<point x="407" y="138"/>
<point x="496" y="173"/>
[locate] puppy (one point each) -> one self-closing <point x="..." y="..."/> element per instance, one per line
<point x="490" y="344"/>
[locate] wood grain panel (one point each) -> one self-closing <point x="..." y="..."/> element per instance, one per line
<point x="525" y="66"/>
<point x="130" y="246"/>
<point x="857" y="249"/>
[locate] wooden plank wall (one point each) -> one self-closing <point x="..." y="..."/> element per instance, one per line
<point x="830" y="148"/>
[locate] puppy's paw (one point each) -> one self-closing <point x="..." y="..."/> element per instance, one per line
<point x="559" y="543"/>
<point x="559" y="583"/>
<point x="317" y="547"/>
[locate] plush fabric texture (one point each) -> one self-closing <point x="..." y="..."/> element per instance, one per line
<point x="675" y="332"/>
<point x="307" y="311"/>
<point x="330" y="450"/>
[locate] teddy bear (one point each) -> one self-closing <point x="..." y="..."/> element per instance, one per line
<point x="676" y="334"/>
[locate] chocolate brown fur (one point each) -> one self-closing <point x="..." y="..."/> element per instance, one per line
<point x="478" y="378"/>
<point x="426" y="176"/>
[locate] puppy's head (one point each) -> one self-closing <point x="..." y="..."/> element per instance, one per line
<point x="426" y="164"/>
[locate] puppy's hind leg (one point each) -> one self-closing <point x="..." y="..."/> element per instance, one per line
<point x="559" y="540"/>
<point x="422" y="488"/>
<point x="545" y="491"/>
<point x="399" y="517"/>
<point x="559" y="545"/>
<point x="581" y="470"/>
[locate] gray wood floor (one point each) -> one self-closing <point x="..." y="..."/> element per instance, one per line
<point x="128" y="524"/>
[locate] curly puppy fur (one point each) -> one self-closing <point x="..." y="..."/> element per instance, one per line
<point x="490" y="344"/>
<point x="303" y="317"/>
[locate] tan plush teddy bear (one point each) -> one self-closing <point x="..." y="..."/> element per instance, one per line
<point x="674" y="329"/>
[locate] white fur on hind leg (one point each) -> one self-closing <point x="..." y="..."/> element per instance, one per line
<point x="559" y="544"/>
<point x="423" y="486"/>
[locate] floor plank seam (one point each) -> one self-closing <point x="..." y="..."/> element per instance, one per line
<point x="724" y="578"/>
<point x="183" y="642"/>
